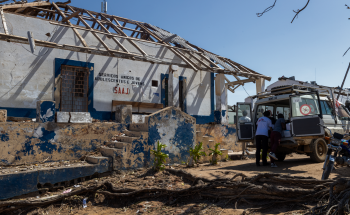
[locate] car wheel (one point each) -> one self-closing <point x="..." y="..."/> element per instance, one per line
<point x="318" y="150"/>
<point x="281" y="156"/>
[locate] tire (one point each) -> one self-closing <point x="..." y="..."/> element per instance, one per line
<point x="281" y="156"/>
<point x="318" y="150"/>
<point x="328" y="170"/>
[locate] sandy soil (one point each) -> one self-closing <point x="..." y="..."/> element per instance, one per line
<point x="295" y="165"/>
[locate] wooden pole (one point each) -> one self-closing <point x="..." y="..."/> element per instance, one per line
<point x="342" y="85"/>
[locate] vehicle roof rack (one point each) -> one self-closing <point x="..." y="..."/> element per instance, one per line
<point x="289" y="89"/>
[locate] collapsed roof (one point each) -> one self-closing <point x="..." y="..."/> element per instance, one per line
<point x="118" y="27"/>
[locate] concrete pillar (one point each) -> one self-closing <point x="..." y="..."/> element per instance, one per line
<point x="123" y="114"/>
<point x="221" y="99"/>
<point x="260" y="85"/>
<point x="45" y="111"/>
<point x="3" y="115"/>
<point x="173" y="92"/>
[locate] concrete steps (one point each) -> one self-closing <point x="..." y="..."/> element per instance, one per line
<point x="126" y="139"/>
<point x="121" y="147"/>
<point x="117" y="144"/>
<point x="138" y="127"/>
<point x="134" y="133"/>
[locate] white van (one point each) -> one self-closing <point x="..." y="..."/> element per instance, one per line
<point x="303" y="109"/>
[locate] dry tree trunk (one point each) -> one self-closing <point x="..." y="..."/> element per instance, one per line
<point x="275" y="188"/>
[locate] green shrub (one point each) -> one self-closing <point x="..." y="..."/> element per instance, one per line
<point x="215" y="152"/>
<point x="196" y="152"/>
<point x="159" y="157"/>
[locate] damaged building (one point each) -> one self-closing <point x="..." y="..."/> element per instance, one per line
<point x="74" y="81"/>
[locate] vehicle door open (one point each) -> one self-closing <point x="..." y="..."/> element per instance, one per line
<point x="306" y="114"/>
<point x="244" y="123"/>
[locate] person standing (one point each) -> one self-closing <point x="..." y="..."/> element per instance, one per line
<point x="262" y="136"/>
<point x="245" y="117"/>
<point x="276" y="136"/>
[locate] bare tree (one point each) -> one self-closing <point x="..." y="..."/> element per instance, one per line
<point x="296" y="12"/>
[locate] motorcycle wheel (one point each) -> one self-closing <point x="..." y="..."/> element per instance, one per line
<point x="327" y="171"/>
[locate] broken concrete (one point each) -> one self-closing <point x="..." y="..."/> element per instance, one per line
<point x="30" y="142"/>
<point x="175" y="129"/>
<point x="20" y="183"/>
<point x="138" y="118"/>
<point x="3" y="115"/>
<point x="63" y="117"/>
<point x="224" y="134"/>
<point x="123" y="114"/>
<point x="45" y="111"/>
<point x="80" y="117"/>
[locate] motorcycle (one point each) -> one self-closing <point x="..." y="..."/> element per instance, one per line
<point x="341" y="150"/>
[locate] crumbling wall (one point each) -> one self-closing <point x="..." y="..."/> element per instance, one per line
<point x="175" y="129"/>
<point x="28" y="142"/>
<point x="224" y="134"/>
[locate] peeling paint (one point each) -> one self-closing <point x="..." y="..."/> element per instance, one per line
<point x="175" y="129"/>
<point x="224" y="134"/>
<point x="34" y="142"/>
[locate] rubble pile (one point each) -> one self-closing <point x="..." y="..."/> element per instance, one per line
<point x="32" y="167"/>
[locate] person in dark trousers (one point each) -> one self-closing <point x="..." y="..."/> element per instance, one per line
<point x="276" y="136"/>
<point x="262" y="136"/>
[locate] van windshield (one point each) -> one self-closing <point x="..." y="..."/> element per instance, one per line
<point x="305" y="105"/>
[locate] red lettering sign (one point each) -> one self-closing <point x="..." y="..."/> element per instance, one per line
<point x="121" y="90"/>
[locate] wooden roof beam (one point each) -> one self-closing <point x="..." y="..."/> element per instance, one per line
<point x="94" y="33"/>
<point x="75" y="30"/>
<point x="32" y="4"/>
<point x="120" y="32"/>
<point x="3" y="20"/>
<point x="173" y="49"/>
<point x="242" y="82"/>
<point x="71" y="16"/>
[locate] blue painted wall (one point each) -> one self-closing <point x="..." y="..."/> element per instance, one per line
<point x="45" y="111"/>
<point x="174" y="128"/>
<point x="35" y="142"/>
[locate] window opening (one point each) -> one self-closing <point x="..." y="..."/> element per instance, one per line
<point x="166" y="92"/>
<point x="243" y="113"/>
<point x="305" y="105"/>
<point x="181" y="94"/>
<point x="283" y="110"/>
<point x="74" y="89"/>
<point x="154" y="83"/>
<point x="326" y="110"/>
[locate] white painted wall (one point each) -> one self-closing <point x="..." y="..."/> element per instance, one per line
<point x="26" y="78"/>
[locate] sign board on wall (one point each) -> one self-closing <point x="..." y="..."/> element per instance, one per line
<point x="124" y="79"/>
<point x="121" y="90"/>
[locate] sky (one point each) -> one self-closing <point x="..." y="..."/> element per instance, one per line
<point x="311" y="48"/>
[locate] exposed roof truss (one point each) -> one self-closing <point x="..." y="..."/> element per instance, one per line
<point x="115" y="27"/>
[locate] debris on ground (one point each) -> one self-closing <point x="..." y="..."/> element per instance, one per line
<point x="176" y="191"/>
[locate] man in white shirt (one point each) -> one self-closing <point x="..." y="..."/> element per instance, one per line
<point x="244" y="118"/>
<point x="262" y="136"/>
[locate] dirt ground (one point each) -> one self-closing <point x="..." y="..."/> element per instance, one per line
<point x="294" y="164"/>
<point x="99" y="203"/>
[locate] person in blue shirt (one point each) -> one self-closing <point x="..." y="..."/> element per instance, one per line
<point x="262" y="136"/>
<point x="276" y="136"/>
